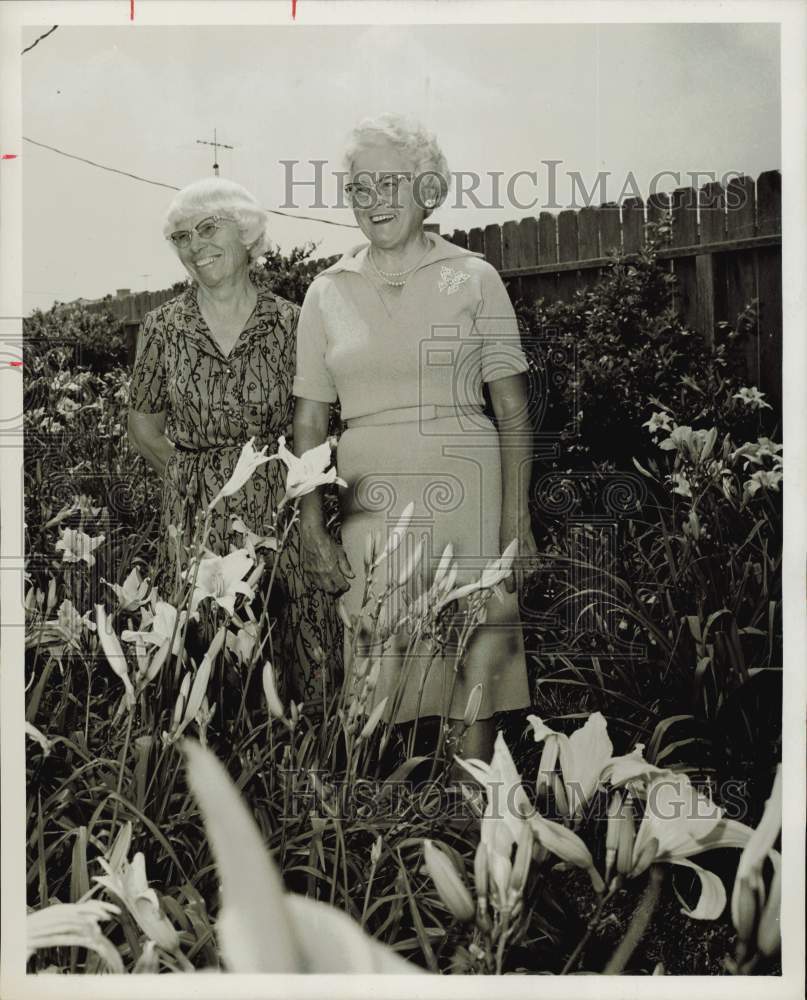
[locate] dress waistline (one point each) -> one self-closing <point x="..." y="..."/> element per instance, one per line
<point x="413" y="414"/>
<point x="190" y="449"/>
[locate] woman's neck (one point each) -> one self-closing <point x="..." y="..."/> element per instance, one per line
<point x="229" y="296"/>
<point x="401" y="258"/>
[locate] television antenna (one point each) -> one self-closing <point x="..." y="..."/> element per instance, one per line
<point x="216" y="147"/>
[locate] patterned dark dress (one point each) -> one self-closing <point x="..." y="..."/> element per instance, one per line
<point x="214" y="404"/>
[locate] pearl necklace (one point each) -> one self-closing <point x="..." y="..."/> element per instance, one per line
<point x="389" y="276"/>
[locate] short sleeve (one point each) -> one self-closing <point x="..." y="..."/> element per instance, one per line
<point x="496" y="322"/>
<point x="312" y="380"/>
<point x="147" y="392"/>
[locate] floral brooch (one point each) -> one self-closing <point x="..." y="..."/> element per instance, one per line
<point x="451" y="280"/>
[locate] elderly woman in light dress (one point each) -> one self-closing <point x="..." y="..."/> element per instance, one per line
<point x="404" y="331"/>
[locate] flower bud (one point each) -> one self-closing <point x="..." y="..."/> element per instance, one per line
<point x="627" y="836"/>
<point x="449" y="885"/>
<point x="744" y="908"/>
<point x="521" y="864"/>
<point x="344" y="617"/>
<point x="273" y="702"/>
<point x="373" y="720"/>
<point x="182" y="698"/>
<point x="559" y="790"/>
<point x="375" y="851"/>
<point x="51" y="603"/>
<point x="294" y="714"/>
<point x="472" y="706"/>
<point x="612" y="832"/>
<point x="546" y="767"/>
<point x="369" y="550"/>
<point x="769" y="934"/>
<point x="411" y="564"/>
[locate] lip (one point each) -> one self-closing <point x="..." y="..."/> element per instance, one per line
<point x="207" y="260"/>
<point x="382" y="218"/>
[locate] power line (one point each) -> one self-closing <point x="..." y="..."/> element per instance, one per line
<point x="34" y="44"/>
<point x="173" y="187"/>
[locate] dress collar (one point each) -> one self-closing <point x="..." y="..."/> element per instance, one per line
<point x="441" y="250"/>
<point x="263" y="317"/>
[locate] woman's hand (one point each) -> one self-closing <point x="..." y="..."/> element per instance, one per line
<point x="527" y="558"/>
<point x="324" y="560"/>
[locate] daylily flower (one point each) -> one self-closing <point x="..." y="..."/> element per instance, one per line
<point x="77" y="546"/>
<point x="41" y="739"/>
<point x="658" y="421"/>
<point x="748" y="897"/>
<point x="565" y="844"/>
<point x="252" y="540"/>
<point x="114" y="654"/>
<point x="754" y="452"/>
<point x="242" y="643"/>
<point x="763" y="478"/>
<point x="63" y="632"/>
<point x="681" y="485"/>
<point x="448" y="882"/>
<point x="160" y="627"/>
<point x="752" y="397"/>
<point x="67" y="408"/>
<point x="248" y="462"/>
<point x="128" y="882"/>
<point x="67" y="925"/>
<point x="222" y="578"/>
<point x="680" y="821"/>
<point x="506" y="811"/>
<point x="583" y="755"/>
<point x="132" y="593"/>
<point x="696" y="445"/>
<point x="261" y="928"/>
<point x="307" y="472"/>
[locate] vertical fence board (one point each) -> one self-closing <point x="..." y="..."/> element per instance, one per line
<point x="632" y="224"/>
<point x="459" y="238"/>
<point x="493" y="246"/>
<point x="609" y="230"/>
<point x="511" y="245"/>
<point x="568" y="249"/>
<point x="712" y="205"/>
<point x="476" y="240"/>
<point x="658" y="204"/>
<point x="529" y="286"/>
<point x="547" y="254"/>
<point x="769" y="203"/>
<point x="588" y="233"/>
<point x="740" y="266"/>
<point x="684" y="211"/>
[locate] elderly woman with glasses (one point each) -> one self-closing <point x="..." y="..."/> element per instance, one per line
<point x="214" y="368"/>
<point x="404" y="331"/>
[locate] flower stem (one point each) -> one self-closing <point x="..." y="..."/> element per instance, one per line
<point x="639" y="923"/>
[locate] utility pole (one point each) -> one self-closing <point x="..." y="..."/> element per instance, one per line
<point x="216" y="147"/>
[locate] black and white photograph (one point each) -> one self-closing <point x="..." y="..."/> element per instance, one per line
<point x="401" y="574"/>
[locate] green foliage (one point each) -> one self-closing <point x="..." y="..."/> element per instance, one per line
<point x="289" y="275"/>
<point x="99" y="338"/>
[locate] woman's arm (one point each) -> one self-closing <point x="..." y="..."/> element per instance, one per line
<point x="147" y="436"/>
<point x="509" y="398"/>
<point x="324" y="560"/>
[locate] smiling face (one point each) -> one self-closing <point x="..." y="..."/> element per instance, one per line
<point x="392" y="218"/>
<point x="215" y="258"/>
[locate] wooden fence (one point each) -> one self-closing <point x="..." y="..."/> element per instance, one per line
<point x="725" y="250"/>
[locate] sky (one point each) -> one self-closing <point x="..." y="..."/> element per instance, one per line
<point x="632" y="100"/>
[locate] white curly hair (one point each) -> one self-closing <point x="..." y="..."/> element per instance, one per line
<point x="218" y="196"/>
<point x="432" y="177"/>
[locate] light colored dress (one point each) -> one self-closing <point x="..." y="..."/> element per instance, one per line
<point x="408" y="374"/>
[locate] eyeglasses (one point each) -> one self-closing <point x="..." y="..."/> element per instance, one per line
<point x="206" y="229"/>
<point x="384" y="184"/>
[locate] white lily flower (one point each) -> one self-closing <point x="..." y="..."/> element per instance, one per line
<point x="678" y="822"/>
<point x="114" y="654"/>
<point x="132" y="593"/>
<point x="252" y="540"/>
<point x="307" y="472"/>
<point x="222" y="578"/>
<point x="77" y="546"/>
<point x="129" y="883"/>
<point x="248" y="461"/>
<point x="583" y="755"/>
<point x="242" y="643"/>
<point x="160" y="627"/>
<point x="67" y="925"/>
<point x="261" y="928"/>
